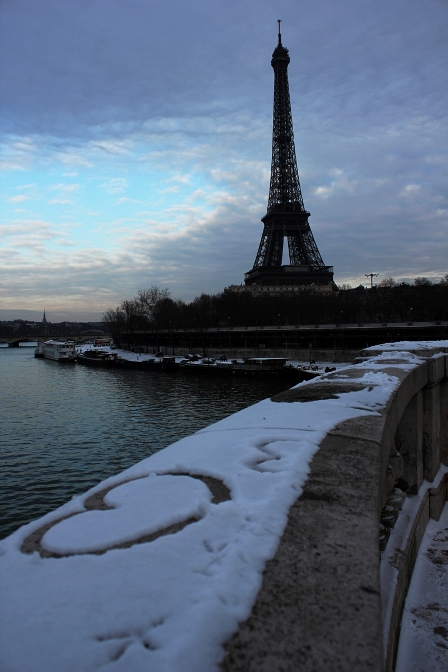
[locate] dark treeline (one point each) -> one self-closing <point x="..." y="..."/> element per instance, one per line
<point x="154" y="309"/>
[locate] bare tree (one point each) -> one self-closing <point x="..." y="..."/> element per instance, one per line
<point x="387" y="282"/>
<point x="149" y="299"/>
<point x="124" y="320"/>
<point x="115" y="320"/>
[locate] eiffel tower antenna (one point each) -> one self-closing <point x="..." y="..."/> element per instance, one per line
<point x="286" y="214"/>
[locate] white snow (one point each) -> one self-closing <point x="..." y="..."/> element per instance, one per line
<point x="169" y="604"/>
<point x="399" y="537"/>
<point x="170" y="499"/>
<point x="424" y="627"/>
<point x="410" y="345"/>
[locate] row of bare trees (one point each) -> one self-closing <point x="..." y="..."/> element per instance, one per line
<point x="142" y="313"/>
<point x="153" y="309"/>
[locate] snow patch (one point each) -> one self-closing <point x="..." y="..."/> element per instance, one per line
<point x="170" y="603"/>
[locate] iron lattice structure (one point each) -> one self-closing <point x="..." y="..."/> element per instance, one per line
<point x="286" y="215"/>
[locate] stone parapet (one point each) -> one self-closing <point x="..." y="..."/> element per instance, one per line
<point x="328" y="601"/>
<point x="260" y="534"/>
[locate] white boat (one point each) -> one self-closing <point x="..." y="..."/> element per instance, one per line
<point x="60" y="351"/>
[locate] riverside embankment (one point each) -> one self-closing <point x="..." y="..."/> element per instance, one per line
<point x="261" y="531"/>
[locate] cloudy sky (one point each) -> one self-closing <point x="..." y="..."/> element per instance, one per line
<point x="136" y="143"/>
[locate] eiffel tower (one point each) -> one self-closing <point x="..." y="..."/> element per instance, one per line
<point x="286" y="214"/>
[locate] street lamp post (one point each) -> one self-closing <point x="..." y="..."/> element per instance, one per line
<point x="371" y="276"/>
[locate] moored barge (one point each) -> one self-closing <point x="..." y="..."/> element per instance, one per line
<point x="100" y="358"/>
<point x="58" y="351"/>
<point x="275" y="367"/>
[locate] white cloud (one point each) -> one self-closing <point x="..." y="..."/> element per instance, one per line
<point x="115" y="185"/>
<point x="323" y="192"/>
<point x="340" y="183"/>
<point x="66" y="188"/>
<point x="113" y="146"/>
<point x="411" y="190"/>
<point x="19" y="198"/>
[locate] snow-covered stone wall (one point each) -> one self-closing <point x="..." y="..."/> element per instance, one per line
<point x="157" y="568"/>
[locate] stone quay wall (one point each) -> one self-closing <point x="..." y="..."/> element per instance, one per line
<point x="329" y="599"/>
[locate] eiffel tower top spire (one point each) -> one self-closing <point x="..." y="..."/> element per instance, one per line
<point x="284" y="193"/>
<point x="286" y="215"/>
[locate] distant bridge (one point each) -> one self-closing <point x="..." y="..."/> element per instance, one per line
<point x="15" y="341"/>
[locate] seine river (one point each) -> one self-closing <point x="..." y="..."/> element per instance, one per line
<point x="65" y="427"/>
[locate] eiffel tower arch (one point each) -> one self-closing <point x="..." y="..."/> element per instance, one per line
<point x="286" y="215"/>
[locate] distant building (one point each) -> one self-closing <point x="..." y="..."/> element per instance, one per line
<point x="275" y="290"/>
<point x="44" y="319"/>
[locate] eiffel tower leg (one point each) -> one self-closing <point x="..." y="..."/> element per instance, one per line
<point x="270" y="251"/>
<point x="295" y="247"/>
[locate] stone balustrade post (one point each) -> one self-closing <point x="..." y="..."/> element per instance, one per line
<point x="409" y="442"/>
<point x="432" y="417"/>
<point x="444" y="415"/>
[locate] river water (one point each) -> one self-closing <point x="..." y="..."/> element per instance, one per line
<point x="65" y="427"/>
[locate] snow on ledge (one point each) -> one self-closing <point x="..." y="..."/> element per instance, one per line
<point x="409" y="346"/>
<point x="152" y="569"/>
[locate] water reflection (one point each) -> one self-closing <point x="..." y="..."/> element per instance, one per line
<point x="67" y="427"/>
